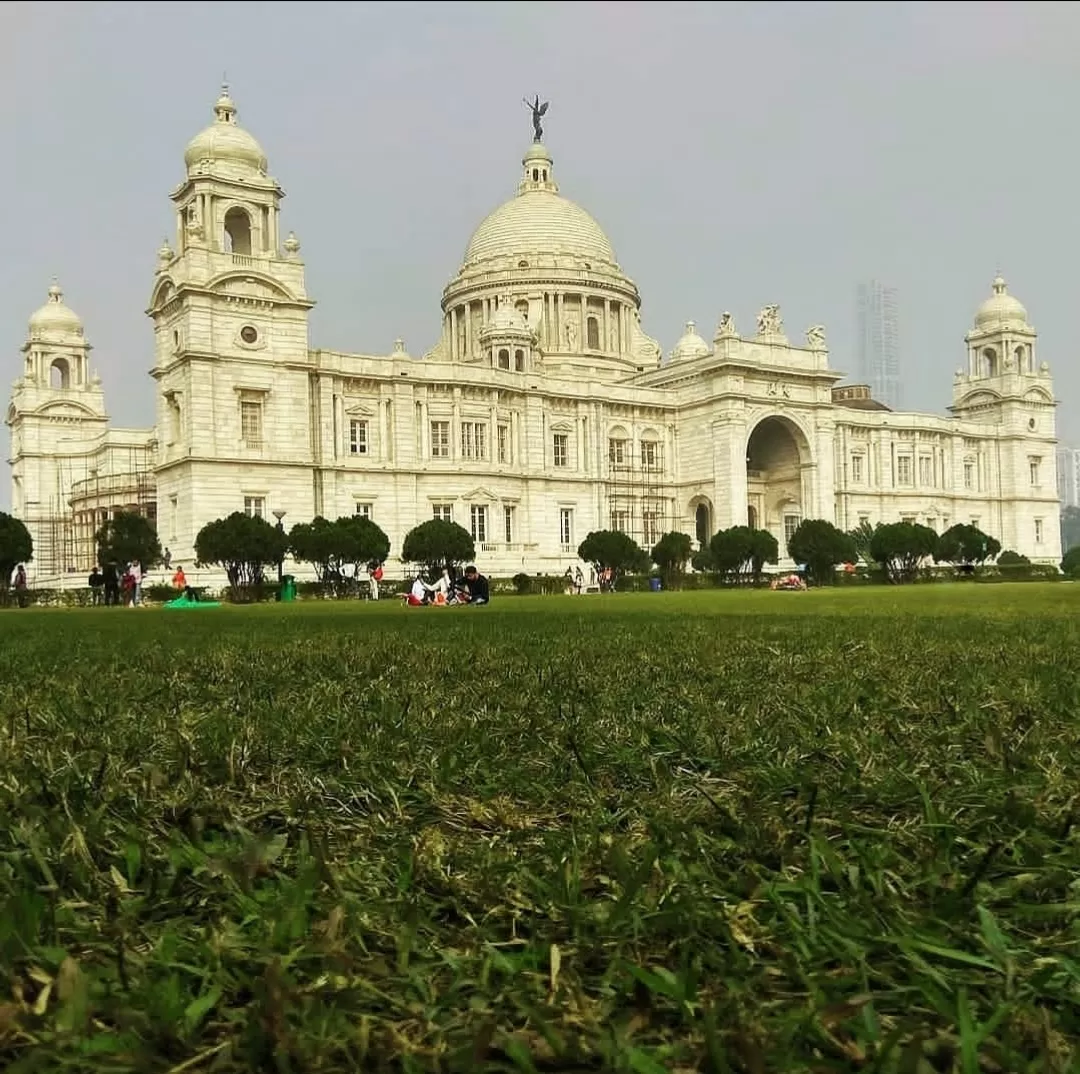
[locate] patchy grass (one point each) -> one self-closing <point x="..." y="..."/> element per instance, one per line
<point x="752" y="832"/>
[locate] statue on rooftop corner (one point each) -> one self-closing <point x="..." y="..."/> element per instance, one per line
<point x="769" y="322"/>
<point x="815" y="337"/>
<point x="726" y="327"/>
<point x="538" y="111"/>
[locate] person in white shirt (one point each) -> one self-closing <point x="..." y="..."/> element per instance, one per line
<point x="418" y="594"/>
<point x="135" y="570"/>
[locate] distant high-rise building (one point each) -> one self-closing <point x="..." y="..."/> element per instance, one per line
<point x="878" y="358"/>
<point x="1068" y="475"/>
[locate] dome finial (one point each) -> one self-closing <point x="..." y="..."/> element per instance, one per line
<point x="998" y="285"/>
<point x="538" y="112"/>
<point x="224" y="108"/>
<point x="55" y="293"/>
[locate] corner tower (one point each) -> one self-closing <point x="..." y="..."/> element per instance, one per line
<point x="57" y="417"/>
<point x="1007" y="387"/>
<point x="230" y="313"/>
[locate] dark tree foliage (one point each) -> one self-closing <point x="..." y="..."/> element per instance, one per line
<point x="437" y="544"/>
<point x="610" y="549"/>
<point x="128" y="537"/>
<point x="1070" y="562"/>
<point x="244" y="545"/>
<point x="741" y="552"/>
<point x="964" y="544"/>
<point x="16" y="546"/>
<point x="331" y="546"/>
<point x="862" y="535"/>
<point x="671" y="554"/>
<point x="822" y="548"/>
<point x="900" y="547"/>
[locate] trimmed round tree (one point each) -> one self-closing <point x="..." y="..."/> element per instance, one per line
<point x="128" y="537"/>
<point x="822" y="547"/>
<point x="963" y="544"/>
<point x="244" y="545"/>
<point x="671" y="554"/>
<point x="438" y="545"/>
<point x="613" y="550"/>
<point x="900" y="547"/>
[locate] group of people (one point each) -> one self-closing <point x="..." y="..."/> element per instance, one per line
<point x="471" y="588"/>
<point x="115" y="584"/>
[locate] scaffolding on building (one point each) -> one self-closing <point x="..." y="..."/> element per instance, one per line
<point x="638" y="502"/>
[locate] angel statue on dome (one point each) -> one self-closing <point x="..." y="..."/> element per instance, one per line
<point x="538" y="112"/>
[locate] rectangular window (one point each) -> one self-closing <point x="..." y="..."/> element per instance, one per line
<point x="478" y="523"/>
<point x="1038" y="531"/>
<point x="1033" y="472"/>
<point x="650" y="527"/>
<point x="620" y="521"/>
<point x="616" y="452"/>
<point x="969" y="475"/>
<point x="358" y="437"/>
<point x="651" y="458"/>
<point x="566" y="527"/>
<point x="444" y="512"/>
<point x="440" y="439"/>
<point x="926" y="471"/>
<point x="508" y="524"/>
<point x="363" y="510"/>
<point x="502" y="439"/>
<point x="791" y="524"/>
<point x="560" y="446"/>
<point x="856" y="469"/>
<point x="903" y="469"/>
<point x="251" y="431"/>
<point x="473" y="440"/>
<point x="255" y="506"/>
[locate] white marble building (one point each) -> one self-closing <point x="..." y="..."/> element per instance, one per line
<point x="542" y="412"/>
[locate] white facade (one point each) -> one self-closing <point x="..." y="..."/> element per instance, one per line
<point x="544" y="411"/>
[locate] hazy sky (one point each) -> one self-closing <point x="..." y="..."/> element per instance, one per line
<point x="736" y="155"/>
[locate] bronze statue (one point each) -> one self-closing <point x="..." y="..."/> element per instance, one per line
<point x="538" y="110"/>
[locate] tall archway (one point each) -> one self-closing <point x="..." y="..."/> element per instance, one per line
<point x="778" y="461"/>
<point x="238" y="231"/>
<point x="701" y="509"/>
<point x="60" y="373"/>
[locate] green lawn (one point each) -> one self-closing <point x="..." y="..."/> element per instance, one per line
<point x="721" y="831"/>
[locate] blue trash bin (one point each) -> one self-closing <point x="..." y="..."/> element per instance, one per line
<point x="654" y="585"/>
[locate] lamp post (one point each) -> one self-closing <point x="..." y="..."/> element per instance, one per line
<point x="279" y="515"/>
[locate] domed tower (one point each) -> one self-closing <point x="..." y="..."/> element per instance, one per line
<point x="1007" y="387"/>
<point x="230" y="313"/>
<point x="56" y="416"/>
<point x="553" y="262"/>
<point x="507" y="340"/>
<point x="690" y="345"/>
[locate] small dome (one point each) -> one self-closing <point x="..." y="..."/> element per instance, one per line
<point x="1001" y="310"/>
<point x="691" y="345"/>
<point x="506" y="321"/>
<point x="55" y="320"/>
<point x="539" y="221"/>
<point x="225" y="142"/>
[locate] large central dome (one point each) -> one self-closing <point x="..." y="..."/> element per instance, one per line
<point x="539" y="221"/>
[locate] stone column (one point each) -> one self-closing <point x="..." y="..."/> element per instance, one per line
<point x="560" y="319"/>
<point x="453" y="333"/>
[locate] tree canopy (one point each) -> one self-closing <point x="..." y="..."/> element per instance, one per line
<point x="16" y="546"/>
<point x="244" y="545"/>
<point x="1070" y="562"/>
<point x="438" y="544"/>
<point x="900" y="547"/>
<point x="961" y="544"/>
<point x="822" y="547"/>
<point x="671" y="554"/>
<point x="861" y="537"/>
<point x="330" y="546"/>
<point x="128" y="537"/>
<point x="611" y="549"/>
<point x="739" y="552"/>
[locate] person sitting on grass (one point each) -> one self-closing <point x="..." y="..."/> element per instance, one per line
<point x="473" y="588"/>
<point x="418" y="594"/>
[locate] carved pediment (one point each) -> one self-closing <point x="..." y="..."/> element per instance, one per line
<point x="980" y="398"/>
<point x="65" y="411"/>
<point x="480" y="493"/>
<point x="358" y="410"/>
<point x="1037" y="395"/>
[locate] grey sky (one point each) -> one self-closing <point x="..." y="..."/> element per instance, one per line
<point x="735" y="154"/>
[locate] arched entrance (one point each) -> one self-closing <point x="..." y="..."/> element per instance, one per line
<point x="703" y="522"/>
<point x="777" y="478"/>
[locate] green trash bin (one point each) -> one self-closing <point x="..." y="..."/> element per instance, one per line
<point x="288" y="588"/>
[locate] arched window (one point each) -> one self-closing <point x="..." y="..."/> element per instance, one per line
<point x="1022" y="364"/>
<point x="701" y="524"/>
<point x="238" y="231"/>
<point x="523" y="309"/>
<point x="60" y="373"/>
<point x="592" y="333"/>
<point x="504" y="359"/>
<point x="519" y="361"/>
<point x="990" y="362"/>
